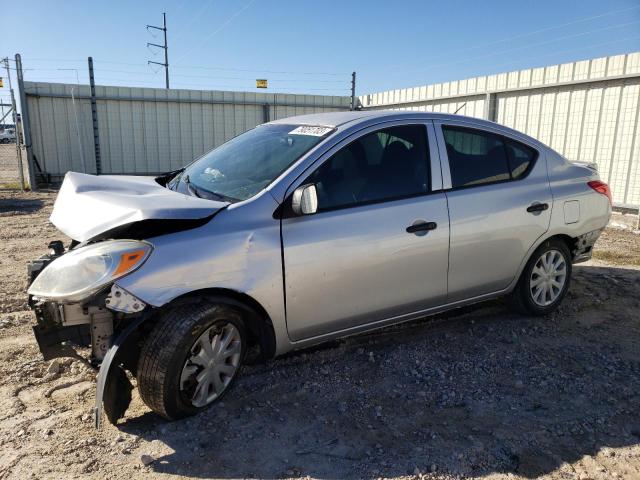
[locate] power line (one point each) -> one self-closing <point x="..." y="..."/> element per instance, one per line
<point x="443" y="54"/>
<point x="528" y="34"/>
<point x="573" y="50"/>
<point x="199" y="67"/>
<point x="493" y="54"/>
<point x="193" y="20"/>
<point x="179" y="6"/>
<point x="220" y="77"/>
<point x="585" y="47"/>
<point x="288" y="80"/>
<point x="301" y="73"/>
<point x="217" y="30"/>
<point x="562" y="25"/>
<point x="237" y="87"/>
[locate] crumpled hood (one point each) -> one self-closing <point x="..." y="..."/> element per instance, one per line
<point x="88" y="205"/>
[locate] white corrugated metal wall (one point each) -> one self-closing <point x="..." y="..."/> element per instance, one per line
<point x="148" y="130"/>
<point x="587" y="111"/>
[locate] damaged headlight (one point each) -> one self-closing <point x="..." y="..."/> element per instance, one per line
<point x="80" y="273"/>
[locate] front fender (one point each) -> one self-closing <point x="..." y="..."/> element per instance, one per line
<point x="109" y="379"/>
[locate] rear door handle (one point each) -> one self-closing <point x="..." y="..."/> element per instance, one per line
<point x="422" y="227"/>
<point x="537" y="207"/>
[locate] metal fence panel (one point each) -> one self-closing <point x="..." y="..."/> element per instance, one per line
<point x="10" y="166"/>
<point x="148" y="130"/>
<point x="58" y="145"/>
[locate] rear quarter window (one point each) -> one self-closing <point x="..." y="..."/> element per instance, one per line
<point x="521" y="158"/>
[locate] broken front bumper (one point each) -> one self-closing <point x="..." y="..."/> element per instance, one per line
<point x="53" y="338"/>
<point x="60" y="327"/>
<point x="109" y="323"/>
<point x="90" y="322"/>
<point x="50" y="331"/>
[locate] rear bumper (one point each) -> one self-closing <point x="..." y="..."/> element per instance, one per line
<point x="584" y="246"/>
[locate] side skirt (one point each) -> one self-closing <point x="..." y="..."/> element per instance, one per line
<point x="398" y="319"/>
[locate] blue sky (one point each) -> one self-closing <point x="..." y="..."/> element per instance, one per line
<point x="216" y="44"/>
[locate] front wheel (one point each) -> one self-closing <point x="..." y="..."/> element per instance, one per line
<point x="191" y="357"/>
<point x="545" y="279"/>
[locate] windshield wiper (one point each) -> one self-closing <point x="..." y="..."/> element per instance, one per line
<point x="215" y="196"/>
<point x="169" y="178"/>
<point x="190" y="188"/>
<point x="208" y="194"/>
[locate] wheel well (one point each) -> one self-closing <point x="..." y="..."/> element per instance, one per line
<point x="570" y="242"/>
<point x="258" y="322"/>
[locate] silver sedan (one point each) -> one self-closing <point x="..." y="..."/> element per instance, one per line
<point x="299" y="231"/>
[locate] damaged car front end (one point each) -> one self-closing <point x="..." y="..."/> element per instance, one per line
<point x="73" y="290"/>
<point x="147" y="273"/>
<point x="78" y="304"/>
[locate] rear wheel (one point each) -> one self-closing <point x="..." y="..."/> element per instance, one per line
<point x="545" y="279"/>
<point x="191" y="357"/>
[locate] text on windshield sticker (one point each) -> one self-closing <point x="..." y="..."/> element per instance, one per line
<point x="314" y="131"/>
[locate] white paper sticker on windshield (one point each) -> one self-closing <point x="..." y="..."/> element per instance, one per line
<point x="315" y="131"/>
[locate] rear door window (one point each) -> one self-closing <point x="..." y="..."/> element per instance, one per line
<point x="475" y="157"/>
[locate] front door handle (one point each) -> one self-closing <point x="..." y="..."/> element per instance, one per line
<point x="537" y="207"/>
<point x="422" y="227"/>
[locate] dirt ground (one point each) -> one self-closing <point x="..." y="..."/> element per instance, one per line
<point x="479" y="392"/>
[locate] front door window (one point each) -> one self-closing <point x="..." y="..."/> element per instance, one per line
<point x="384" y="165"/>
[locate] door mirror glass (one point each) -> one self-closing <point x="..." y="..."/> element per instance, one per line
<point x="305" y="200"/>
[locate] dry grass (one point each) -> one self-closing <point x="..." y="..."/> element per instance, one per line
<point x="618" y="247"/>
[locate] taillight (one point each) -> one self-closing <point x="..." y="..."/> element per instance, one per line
<point x="602" y="188"/>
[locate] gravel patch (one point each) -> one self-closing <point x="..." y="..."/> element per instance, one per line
<point x="477" y="393"/>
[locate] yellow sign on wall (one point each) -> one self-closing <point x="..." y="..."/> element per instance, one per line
<point x="1" y="84"/>
<point x="261" y="83"/>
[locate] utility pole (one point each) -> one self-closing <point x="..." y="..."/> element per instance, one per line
<point x="25" y="123"/>
<point x="15" y="123"/>
<point x="353" y="91"/>
<point x="94" y="118"/>
<point x="165" y="47"/>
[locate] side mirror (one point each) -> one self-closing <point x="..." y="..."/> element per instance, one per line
<point x="305" y="200"/>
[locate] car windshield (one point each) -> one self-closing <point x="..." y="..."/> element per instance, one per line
<point x="243" y="166"/>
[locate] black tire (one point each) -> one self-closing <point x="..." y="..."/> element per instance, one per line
<point x="167" y="347"/>
<point x="522" y="298"/>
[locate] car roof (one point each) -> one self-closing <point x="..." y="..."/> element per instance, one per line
<point x="336" y="119"/>
<point x="328" y="119"/>
<point x="353" y="118"/>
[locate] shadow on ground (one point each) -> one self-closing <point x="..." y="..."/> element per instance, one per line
<point x="13" y="206"/>
<point x="483" y="391"/>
